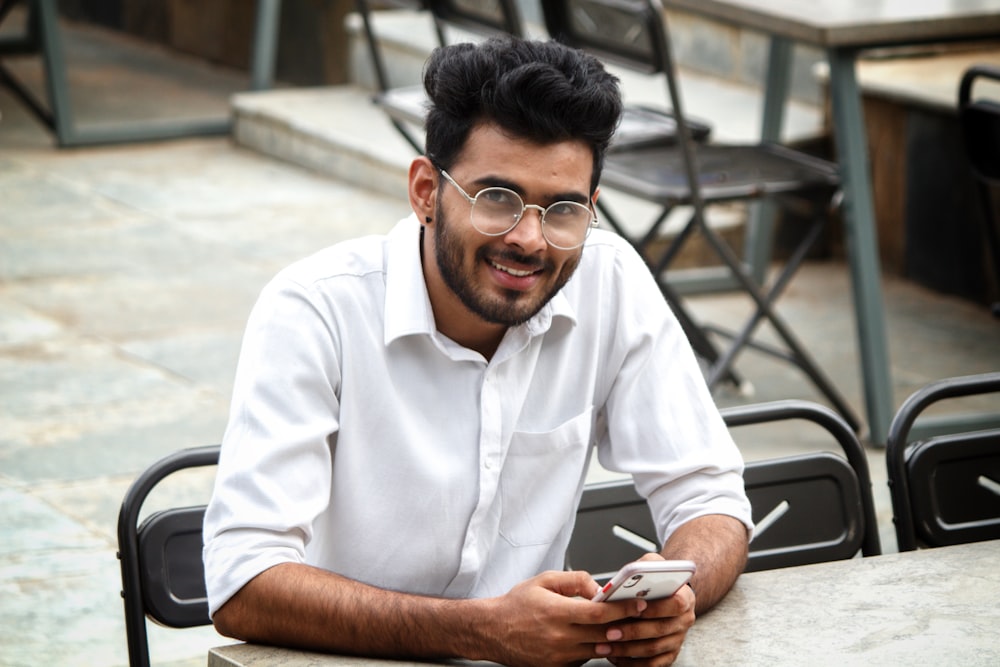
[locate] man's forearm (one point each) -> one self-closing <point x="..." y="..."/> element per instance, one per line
<point x="718" y="545"/>
<point x="301" y="606"/>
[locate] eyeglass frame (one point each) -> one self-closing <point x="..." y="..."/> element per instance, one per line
<point x="524" y="207"/>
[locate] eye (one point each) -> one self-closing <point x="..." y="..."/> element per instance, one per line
<point x="500" y="197"/>
<point x="564" y="209"/>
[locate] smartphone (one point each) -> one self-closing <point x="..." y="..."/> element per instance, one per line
<point x="648" y="579"/>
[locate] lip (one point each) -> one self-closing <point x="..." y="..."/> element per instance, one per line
<point x="511" y="275"/>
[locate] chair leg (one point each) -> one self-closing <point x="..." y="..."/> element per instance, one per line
<point x="763" y="302"/>
<point x="700" y="342"/>
<point x="55" y="72"/>
<point x="381" y="74"/>
<point x="721" y="365"/>
<point x="741" y="339"/>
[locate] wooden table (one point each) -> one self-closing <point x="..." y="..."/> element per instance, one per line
<point x="843" y="28"/>
<point x="931" y="607"/>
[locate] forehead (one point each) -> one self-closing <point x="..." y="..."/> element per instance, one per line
<point x="556" y="166"/>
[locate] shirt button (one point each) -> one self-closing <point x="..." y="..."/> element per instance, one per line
<point x="488" y="465"/>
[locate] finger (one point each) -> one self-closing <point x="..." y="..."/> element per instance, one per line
<point x="645" y="630"/>
<point x="575" y="583"/>
<point x="662" y="660"/>
<point x="677" y="604"/>
<point x="664" y="645"/>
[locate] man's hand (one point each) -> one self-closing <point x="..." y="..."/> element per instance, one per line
<point x="655" y="638"/>
<point x="550" y="620"/>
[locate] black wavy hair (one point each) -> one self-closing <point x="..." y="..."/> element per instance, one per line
<point x="543" y="91"/>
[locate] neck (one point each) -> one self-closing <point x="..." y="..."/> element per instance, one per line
<point x="454" y="320"/>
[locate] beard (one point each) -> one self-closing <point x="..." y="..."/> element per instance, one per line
<point x="508" y="307"/>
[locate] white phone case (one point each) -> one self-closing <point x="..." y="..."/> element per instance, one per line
<point x="650" y="580"/>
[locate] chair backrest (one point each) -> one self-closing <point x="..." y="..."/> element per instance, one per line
<point x="945" y="489"/>
<point x="813" y="507"/>
<point x="163" y="576"/>
<point x="808" y="508"/>
<point x="484" y="18"/>
<point x="630" y="33"/>
<point x="613" y="527"/>
<point x="980" y="120"/>
<point x="487" y="18"/>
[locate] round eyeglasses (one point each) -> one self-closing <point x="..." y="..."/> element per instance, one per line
<point x="495" y="211"/>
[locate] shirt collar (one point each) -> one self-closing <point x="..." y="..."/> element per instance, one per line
<point x="407" y="303"/>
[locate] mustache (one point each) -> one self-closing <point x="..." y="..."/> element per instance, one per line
<point x="514" y="257"/>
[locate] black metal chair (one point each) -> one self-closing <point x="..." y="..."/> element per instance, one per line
<point x="808" y="508"/>
<point x="980" y="120"/>
<point x="945" y="488"/>
<point x="163" y="576"/>
<point x="813" y="507"/>
<point x="687" y="173"/>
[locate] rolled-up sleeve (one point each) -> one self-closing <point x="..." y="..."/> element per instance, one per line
<point x="274" y="472"/>
<point x="663" y="427"/>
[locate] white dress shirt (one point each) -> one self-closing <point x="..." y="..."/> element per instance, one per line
<point x="363" y="441"/>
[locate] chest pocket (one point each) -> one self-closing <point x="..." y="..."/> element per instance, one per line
<point x="539" y="481"/>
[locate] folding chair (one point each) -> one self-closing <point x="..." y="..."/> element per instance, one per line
<point x="808" y="508"/>
<point x="945" y="489"/>
<point x="634" y="34"/>
<point x="163" y="576"/>
<point x="980" y="120"/>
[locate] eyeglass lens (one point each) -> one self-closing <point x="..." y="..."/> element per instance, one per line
<point x="496" y="211"/>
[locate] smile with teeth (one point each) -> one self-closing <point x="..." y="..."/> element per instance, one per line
<point x="514" y="272"/>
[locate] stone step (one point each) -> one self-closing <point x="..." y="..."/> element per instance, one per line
<point x="334" y="130"/>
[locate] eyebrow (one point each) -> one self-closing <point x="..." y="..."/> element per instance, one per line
<point x="490" y="181"/>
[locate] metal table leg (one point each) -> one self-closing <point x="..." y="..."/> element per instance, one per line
<point x="59" y="114"/>
<point x="760" y="226"/>
<point x="862" y="242"/>
<point x="265" y="44"/>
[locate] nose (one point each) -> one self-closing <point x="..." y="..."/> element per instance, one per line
<point x="527" y="233"/>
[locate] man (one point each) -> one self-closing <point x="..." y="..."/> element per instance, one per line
<point x="414" y="415"/>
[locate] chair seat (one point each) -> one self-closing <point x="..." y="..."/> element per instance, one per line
<point x="724" y="172"/>
<point x="642" y="127"/>
<point x="408" y="104"/>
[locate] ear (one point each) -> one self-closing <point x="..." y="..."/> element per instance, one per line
<point x="423" y="185"/>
